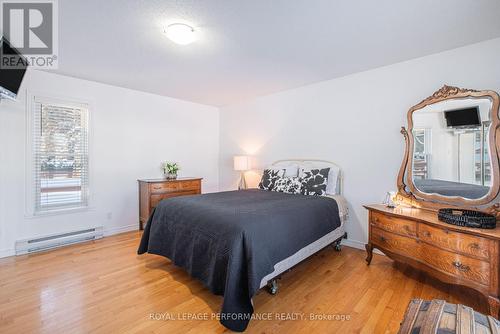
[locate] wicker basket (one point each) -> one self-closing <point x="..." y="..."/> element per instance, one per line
<point x="467" y="218"/>
<point x="438" y="316"/>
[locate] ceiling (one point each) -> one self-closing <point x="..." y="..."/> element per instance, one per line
<point x="257" y="47"/>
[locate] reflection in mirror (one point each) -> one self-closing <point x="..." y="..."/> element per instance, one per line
<point x="451" y="148"/>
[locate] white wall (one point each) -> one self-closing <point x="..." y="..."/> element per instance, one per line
<point x="354" y="121"/>
<point x="131" y="133"/>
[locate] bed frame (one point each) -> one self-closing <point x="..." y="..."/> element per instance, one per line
<point x="332" y="239"/>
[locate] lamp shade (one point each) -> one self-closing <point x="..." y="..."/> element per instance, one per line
<point x="241" y="162"/>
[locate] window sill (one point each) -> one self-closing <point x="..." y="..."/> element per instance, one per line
<point x="58" y="212"/>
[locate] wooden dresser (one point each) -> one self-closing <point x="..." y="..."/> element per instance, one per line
<point x="453" y="254"/>
<point x="152" y="191"/>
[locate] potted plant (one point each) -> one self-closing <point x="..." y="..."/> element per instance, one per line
<point x="170" y="169"/>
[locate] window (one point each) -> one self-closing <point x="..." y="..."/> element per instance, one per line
<point x="482" y="165"/>
<point x="421" y="154"/>
<point x="59" y="155"/>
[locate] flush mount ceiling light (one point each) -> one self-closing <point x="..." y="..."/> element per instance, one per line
<point x="180" y="33"/>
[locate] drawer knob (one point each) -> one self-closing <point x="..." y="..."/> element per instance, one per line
<point x="460" y="266"/>
<point x="426" y="234"/>
<point x="383" y="239"/>
<point x="375" y="220"/>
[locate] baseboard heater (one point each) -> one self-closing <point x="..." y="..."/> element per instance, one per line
<point x="40" y="244"/>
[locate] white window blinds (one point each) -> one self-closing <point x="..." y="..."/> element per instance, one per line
<point x="60" y="155"/>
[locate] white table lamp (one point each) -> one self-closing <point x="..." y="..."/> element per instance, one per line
<point x="242" y="164"/>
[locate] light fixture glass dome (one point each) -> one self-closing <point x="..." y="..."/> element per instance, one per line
<point x="180" y="33"/>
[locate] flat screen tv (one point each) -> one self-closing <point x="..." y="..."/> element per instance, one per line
<point x="12" y="74"/>
<point x="463" y="118"/>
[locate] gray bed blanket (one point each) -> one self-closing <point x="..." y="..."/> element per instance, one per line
<point x="449" y="188"/>
<point x="231" y="240"/>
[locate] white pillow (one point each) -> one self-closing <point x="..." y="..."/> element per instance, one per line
<point x="333" y="175"/>
<point x="291" y="170"/>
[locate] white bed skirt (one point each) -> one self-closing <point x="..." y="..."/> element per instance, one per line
<point x="312" y="248"/>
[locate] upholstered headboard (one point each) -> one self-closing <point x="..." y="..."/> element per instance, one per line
<point x="308" y="163"/>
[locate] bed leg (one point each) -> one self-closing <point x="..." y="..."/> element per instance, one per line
<point x="338" y="246"/>
<point x="272" y="286"/>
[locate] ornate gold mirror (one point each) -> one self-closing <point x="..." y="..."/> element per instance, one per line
<point x="452" y="147"/>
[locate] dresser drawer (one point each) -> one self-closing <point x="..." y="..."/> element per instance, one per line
<point x="454" y="241"/>
<point x="394" y="243"/>
<point x="155" y="199"/>
<point x="189" y="185"/>
<point x="455" y="264"/>
<point x="163" y="187"/>
<point x="393" y="224"/>
<point x="173" y="186"/>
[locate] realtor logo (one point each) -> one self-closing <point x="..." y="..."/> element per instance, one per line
<point x="31" y="28"/>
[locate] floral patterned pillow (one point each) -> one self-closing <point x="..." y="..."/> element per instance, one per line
<point x="314" y="181"/>
<point x="269" y="178"/>
<point x="289" y="185"/>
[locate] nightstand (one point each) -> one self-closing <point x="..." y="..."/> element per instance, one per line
<point x="152" y="191"/>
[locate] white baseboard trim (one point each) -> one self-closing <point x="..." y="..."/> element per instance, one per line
<point x="107" y="232"/>
<point x="120" y="229"/>
<point x="134" y="227"/>
<point x="7" y="252"/>
<point x="358" y="245"/>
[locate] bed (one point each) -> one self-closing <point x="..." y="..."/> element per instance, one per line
<point x="237" y="242"/>
<point x="450" y="188"/>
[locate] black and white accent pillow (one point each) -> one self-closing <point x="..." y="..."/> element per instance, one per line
<point x="314" y="181"/>
<point x="269" y="178"/>
<point x="289" y="185"/>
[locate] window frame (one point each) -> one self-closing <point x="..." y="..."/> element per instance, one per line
<point x="30" y="193"/>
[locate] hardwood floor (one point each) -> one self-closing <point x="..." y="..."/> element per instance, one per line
<point x="104" y="287"/>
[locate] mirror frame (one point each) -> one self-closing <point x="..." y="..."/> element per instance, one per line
<point x="410" y="195"/>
